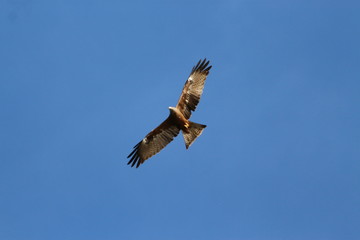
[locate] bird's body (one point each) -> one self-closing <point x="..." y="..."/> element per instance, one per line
<point x="177" y="120"/>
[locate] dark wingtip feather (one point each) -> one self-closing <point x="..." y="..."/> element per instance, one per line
<point x="202" y="66"/>
<point x="196" y="66"/>
<point x="135" y="158"/>
<point x="133" y="151"/>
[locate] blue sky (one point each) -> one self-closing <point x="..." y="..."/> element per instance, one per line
<point x="81" y="82"/>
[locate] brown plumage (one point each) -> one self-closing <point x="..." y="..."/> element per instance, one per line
<point x="178" y="119"/>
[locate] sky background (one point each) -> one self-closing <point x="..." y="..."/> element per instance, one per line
<point x="81" y="82"/>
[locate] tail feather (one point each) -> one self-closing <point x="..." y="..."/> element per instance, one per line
<point x="194" y="130"/>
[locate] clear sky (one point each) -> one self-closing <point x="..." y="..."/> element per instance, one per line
<point x="81" y="82"/>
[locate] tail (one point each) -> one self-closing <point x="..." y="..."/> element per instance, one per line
<point x="194" y="130"/>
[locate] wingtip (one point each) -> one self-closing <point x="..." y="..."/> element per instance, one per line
<point x="202" y="66"/>
<point x="134" y="157"/>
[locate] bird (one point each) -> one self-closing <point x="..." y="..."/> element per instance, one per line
<point x="178" y="119"/>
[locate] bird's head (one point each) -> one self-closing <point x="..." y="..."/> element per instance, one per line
<point x="172" y="109"/>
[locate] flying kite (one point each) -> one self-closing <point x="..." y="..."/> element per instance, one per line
<point x="178" y="119"/>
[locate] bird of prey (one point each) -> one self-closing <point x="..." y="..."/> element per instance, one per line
<point x="177" y="120"/>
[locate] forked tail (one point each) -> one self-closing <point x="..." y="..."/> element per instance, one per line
<point x="194" y="130"/>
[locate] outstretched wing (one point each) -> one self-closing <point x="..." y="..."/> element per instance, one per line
<point x="193" y="88"/>
<point x="156" y="140"/>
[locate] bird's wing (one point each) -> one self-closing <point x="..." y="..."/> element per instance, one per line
<point x="193" y="88"/>
<point x="156" y="140"/>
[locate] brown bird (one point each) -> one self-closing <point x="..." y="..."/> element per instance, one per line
<point x="178" y="119"/>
